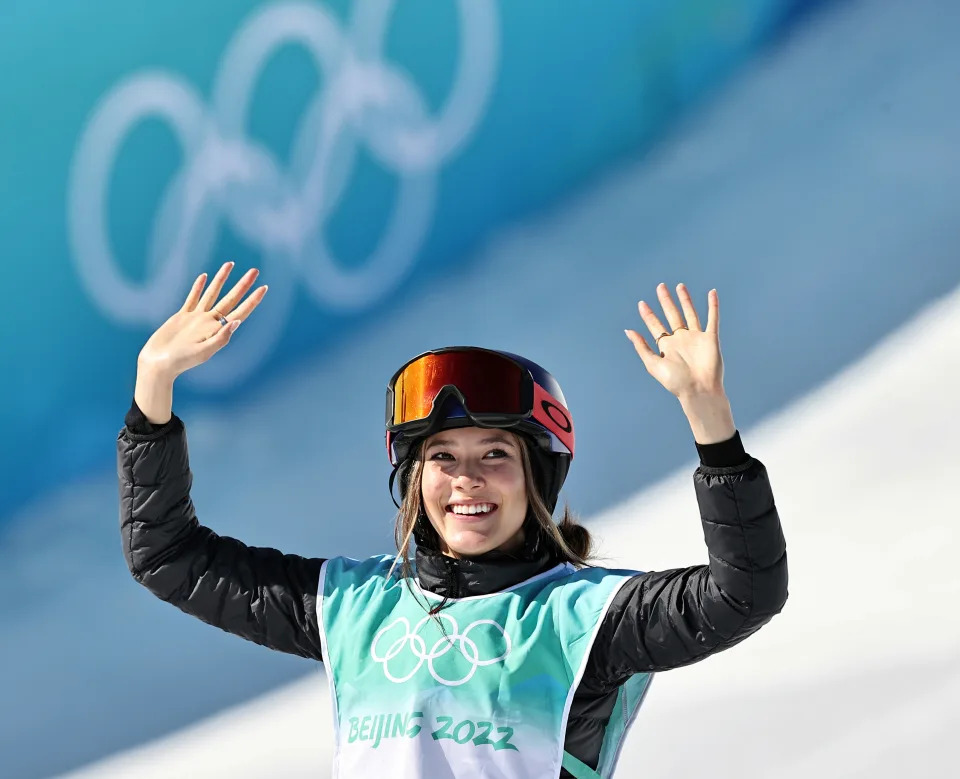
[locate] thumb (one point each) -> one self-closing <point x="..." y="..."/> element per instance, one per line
<point x="643" y="349"/>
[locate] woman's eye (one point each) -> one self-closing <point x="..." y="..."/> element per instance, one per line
<point x="495" y="454"/>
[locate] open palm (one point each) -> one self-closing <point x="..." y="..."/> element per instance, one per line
<point x="195" y="333"/>
<point x="688" y="361"/>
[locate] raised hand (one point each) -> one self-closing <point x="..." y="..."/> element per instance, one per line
<point x="195" y="333"/>
<point x="190" y="337"/>
<point x="688" y="361"/>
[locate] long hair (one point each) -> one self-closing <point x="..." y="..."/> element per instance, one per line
<point x="570" y="541"/>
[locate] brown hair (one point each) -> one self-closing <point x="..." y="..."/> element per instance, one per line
<point x="570" y="541"/>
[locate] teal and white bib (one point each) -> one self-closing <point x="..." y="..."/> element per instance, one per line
<point x="482" y="689"/>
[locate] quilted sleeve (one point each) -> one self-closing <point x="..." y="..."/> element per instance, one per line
<point x="256" y="593"/>
<point x="665" y="619"/>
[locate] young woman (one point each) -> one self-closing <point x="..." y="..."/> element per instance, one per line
<point x="498" y="651"/>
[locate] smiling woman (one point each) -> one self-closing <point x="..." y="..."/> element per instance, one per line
<point x="498" y="650"/>
<point x="477" y="489"/>
<point x="473" y="491"/>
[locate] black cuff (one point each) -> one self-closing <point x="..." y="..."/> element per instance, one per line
<point x="724" y="454"/>
<point x="138" y="424"/>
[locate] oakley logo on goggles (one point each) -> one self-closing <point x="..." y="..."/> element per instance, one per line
<point x="494" y="391"/>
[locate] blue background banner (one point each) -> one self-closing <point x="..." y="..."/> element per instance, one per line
<point x="349" y="150"/>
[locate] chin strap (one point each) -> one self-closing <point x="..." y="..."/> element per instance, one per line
<point x="393" y="476"/>
<point x="401" y="472"/>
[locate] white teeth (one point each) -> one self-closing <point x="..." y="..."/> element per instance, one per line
<point x="476" y="508"/>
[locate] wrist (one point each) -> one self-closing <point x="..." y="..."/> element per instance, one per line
<point x="155" y="372"/>
<point x="725" y="454"/>
<point x="153" y="394"/>
<point x="710" y="417"/>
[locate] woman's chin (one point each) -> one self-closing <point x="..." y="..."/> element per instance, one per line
<point x="470" y="547"/>
<point x="470" y="543"/>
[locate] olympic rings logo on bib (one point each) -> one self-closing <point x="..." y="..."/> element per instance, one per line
<point x="469" y="653"/>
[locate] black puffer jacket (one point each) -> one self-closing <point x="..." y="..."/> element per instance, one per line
<point x="657" y="621"/>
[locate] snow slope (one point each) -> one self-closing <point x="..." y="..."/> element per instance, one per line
<point x="857" y="677"/>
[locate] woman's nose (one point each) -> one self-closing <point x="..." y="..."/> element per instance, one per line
<point x="467" y="477"/>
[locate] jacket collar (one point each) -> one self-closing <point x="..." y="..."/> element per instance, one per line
<point x="493" y="571"/>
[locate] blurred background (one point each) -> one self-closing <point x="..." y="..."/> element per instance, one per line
<point x="513" y="175"/>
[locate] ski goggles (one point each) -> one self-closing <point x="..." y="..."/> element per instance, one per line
<point x="492" y="389"/>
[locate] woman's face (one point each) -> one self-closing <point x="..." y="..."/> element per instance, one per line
<point x="473" y="490"/>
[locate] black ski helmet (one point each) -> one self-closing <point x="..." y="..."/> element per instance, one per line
<point x="549" y="457"/>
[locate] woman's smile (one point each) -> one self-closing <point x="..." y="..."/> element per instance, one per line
<point x="471" y="512"/>
<point x="474" y="490"/>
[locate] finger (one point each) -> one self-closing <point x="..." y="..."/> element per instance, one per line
<point x="246" y="308"/>
<point x="210" y="326"/>
<point x="195" y="291"/>
<point x="216" y="342"/>
<point x="214" y="325"/>
<point x="713" y="312"/>
<point x="651" y="320"/>
<point x="643" y="349"/>
<point x="230" y="300"/>
<point x="670" y="310"/>
<point x="689" y="310"/>
<point x="213" y="291"/>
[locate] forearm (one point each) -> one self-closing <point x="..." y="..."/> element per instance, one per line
<point x="747" y="582"/>
<point x="710" y="417"/>
<point x="154" y="394"/>
<point x="667" y="619"/>
<point x="156" y="514"/>
<point x="257" y="593"/>
<point x="701" y="610"/>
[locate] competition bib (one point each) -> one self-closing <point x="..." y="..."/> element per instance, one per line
<point x="481" y="689"/>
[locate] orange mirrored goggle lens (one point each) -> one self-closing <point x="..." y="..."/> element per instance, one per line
<point x="489" y="383"/>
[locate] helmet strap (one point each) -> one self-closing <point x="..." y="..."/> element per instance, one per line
<point x="393" y="476"/>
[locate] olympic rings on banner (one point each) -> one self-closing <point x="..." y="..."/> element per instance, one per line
<point x="226" y="176"/>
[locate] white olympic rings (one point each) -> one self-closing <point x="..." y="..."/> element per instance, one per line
<point x="225" y="175"/>
<point x="442" y="645"/>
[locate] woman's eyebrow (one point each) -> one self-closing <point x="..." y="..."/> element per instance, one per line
<point x="495" y="439"/>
